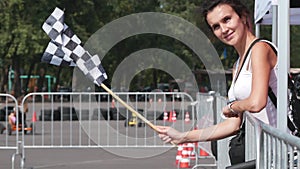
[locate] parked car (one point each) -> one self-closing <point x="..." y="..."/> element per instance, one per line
<point x="165" y="87"/>
<point x="191" y="89"/>
<point x="103" y="95"/>
<point x="145" y="97"/>
<point x="63" y="97"/>
<point x="176" y="86"/>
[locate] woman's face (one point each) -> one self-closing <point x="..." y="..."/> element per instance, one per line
<point x="226" y="24"/>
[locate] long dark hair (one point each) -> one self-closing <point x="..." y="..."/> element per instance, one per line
<point x="236" y="5"/>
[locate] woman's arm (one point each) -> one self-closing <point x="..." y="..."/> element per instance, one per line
<point x="219" y="131"/>
<point x="263" y="60"/>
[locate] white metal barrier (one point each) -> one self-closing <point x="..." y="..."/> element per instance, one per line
<point x="209" y="107"/>
<point x="272" y="148"/>
<point x="87" y="120"/>
<point x="8" y="105"/>
<point x="96" y="120"/>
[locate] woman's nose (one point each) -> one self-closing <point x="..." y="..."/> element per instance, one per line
<point x="223" y="28"/>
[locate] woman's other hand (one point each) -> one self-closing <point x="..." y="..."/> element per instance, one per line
<point x="170" y="135"/>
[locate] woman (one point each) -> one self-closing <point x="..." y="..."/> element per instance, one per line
<point x="229" y="20"/>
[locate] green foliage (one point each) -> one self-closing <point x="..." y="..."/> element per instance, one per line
<point x="23" y="41"/>
<point x="295" y="46"/>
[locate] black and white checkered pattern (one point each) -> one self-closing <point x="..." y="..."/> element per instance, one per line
<point x="56" y="56"/>
<point x="92" y="68"/>
<point x="54" y="25"/>
<point x="65" y="49"/>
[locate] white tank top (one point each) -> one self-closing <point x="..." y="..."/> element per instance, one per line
<point x="241" y="89"/>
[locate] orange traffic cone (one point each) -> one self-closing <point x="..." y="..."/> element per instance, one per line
<point x="34" y="117"/>
<point x="191" y="151"/>
<point x="203" y="153"/>
<point x="185" y="161"/>
<point x="174" y="117"/>
<point x="179" y="154"/>
<point x="193" y="156"/>
<point x="165" y="116"/>
<point x="170" y="116"/>
<point x="187" y="117"/>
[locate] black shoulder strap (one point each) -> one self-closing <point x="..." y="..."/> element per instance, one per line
<point x="246" y="55"/>
<point x="273" y="97"/>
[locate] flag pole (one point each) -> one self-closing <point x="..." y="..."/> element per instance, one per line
<point x="129" y="107"/>
<point x="54" y="49"/>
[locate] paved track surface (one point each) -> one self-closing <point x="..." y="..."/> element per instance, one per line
<point x="96" y="158"/>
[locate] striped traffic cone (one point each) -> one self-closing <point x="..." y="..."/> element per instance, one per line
<point x="165" y="116"/>
<point x="174" y="117"/>
<point x="191" y="151"/>
<point x="170" y="116"/>
<point x="203" y="153"/>
<point x="179" y="154"/>
<point x="185" y="161"/>
<point x="187" y="117"/>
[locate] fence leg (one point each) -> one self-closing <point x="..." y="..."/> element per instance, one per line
<point x="18" y="153"/>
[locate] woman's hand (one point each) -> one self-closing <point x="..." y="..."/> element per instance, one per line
<point x="170" y="135"/>
<point x="229" y="112"/>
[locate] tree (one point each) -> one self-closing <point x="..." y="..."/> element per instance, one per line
<point x="20" y="38"/>
<point x="23" y="41"/>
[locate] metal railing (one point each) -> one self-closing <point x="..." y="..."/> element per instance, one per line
<point x="208" y="108"/>
<point x="9" y="105"/>
<point x="97" y="120"/>
<point x="87" y="120"/>
<point x="268" y="146"/>
<point x="271" y="148"/>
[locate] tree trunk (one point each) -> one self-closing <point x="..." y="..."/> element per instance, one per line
<point x="57" y="78"/>
<point x="17" y="82"/>
<point x="4" y="80"/>
<point x="25" y="87"/>
<point x="41" y="81"/>
<point x="154" y="78"/>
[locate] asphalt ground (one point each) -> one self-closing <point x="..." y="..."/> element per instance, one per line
<point x="96" y="158"/>
<point x="44" y="156"/>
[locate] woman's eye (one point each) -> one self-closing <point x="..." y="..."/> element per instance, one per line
<point x="215" y="27"/>
<point x="227" y="19"/>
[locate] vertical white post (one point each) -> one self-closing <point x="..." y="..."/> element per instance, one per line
<point x="283" y="63"/>
<point x="274" y="24"/>
<point x="257" y="30"/>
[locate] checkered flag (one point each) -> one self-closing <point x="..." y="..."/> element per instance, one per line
<point x="56" y="56"/>
<point x="65" y="49"/>
<point x="54" y="25"/>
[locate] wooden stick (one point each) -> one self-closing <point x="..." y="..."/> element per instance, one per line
<point x="129" y="107"/>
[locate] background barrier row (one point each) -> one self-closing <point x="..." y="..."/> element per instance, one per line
<point x="97" y="120"/>
<point x="9" y="104"/>
<point x="91" y="120"/>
